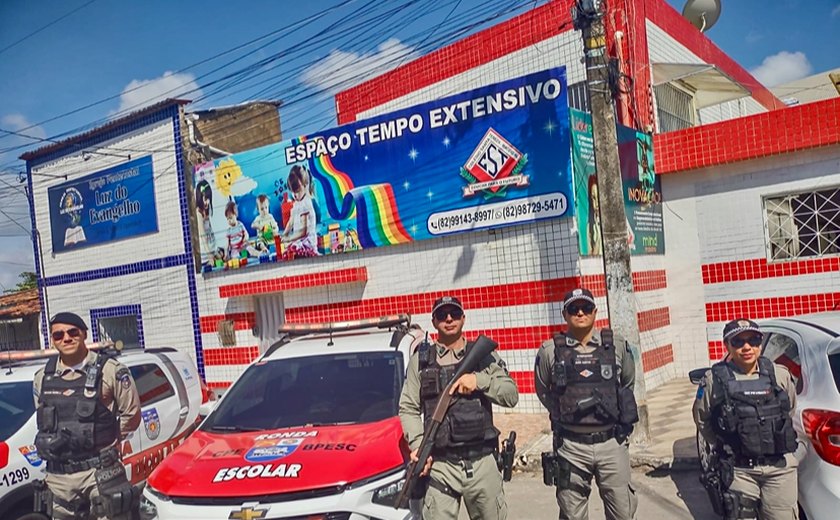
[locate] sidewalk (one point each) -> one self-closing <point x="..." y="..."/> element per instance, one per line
<point x="671" y="427"/>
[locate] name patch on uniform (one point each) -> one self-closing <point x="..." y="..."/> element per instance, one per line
<point x="258" y="471"/>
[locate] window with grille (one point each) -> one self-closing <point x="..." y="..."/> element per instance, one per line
<point x="674" y="108"/>
<point x="577" y="96"/>
<point x="803" y="224"/>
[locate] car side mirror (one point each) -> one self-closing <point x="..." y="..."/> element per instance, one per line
<point x="205" y="408"/>
<point x="697" y="375"/>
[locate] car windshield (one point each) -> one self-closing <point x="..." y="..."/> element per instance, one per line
<point x="318" y="390"/>
<point x="16" y="407"/>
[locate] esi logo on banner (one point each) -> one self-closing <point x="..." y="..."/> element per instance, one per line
<point x="494" y="156"/>
<point x="112" y="204"/>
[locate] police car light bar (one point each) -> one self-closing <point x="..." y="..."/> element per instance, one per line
<point x="383" y="322"/>
<point x="16" y="356"/>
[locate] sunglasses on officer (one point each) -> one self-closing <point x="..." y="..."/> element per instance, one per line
<point x="442" y="313"/>
<point x="58" y="335"/>
<point x="754" y="341"/>
<point x="574" y="308"/>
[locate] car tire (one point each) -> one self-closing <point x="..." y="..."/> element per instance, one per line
<point x="28" y="515"/>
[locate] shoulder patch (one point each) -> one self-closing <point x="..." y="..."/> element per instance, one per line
<point x="700" y="391"/>
<point x="124" y="377"/>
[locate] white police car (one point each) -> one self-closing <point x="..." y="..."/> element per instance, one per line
<point x="308" y="431"/>
<point x="170" y="394"/>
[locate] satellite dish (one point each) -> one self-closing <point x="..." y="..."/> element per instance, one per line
<point x="702" y="14"/>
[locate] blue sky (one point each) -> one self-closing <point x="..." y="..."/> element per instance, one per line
<point x="115" y="54"/>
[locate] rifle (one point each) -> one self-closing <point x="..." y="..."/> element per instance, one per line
<point x="482" y="348"/>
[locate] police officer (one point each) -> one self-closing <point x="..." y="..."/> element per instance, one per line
<point x="463" y="461"/>
<point x="585" y="380"/>
<point x="86" y="402"/>
<point x="744" y="407"/>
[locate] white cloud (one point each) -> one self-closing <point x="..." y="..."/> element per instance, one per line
<point x="835" y="11"/>
<point x="782" y="68"/>
<point x="341" y="69"/>
<point x="19" y="122"/>
<point x="141" y="92"/>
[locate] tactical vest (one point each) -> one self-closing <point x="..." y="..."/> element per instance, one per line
<point x="586" y="387"/>
<point x="73" y="423"/>
<point x="469" y="422"/>
<point x="752" y="416"/>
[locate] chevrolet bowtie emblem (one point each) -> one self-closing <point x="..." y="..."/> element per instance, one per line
<point x="248" y="513"/>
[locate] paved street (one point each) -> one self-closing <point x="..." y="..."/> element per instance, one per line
<point x="662" y="494"/>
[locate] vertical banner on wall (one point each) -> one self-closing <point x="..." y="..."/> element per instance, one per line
<point x="111" y="204"/>
<point x="642" y="189"/>
<point x="494" y="156"/>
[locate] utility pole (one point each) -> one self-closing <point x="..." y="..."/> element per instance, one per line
<point x="588" y="16"/>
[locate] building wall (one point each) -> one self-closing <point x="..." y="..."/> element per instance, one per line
<point x="664" y="48"/>
<point x="151" y="274"/>
<point x="169" y="240"/>
<point x="240" y="128"/>
<point x="718" y="220"/>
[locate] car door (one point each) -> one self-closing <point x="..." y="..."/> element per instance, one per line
<point x="160" y="407"/>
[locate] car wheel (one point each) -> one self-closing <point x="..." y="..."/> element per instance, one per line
<point x="704" y="451"/>
<point x="28" y="515"/>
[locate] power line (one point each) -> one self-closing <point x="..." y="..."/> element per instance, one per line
<point x="33" y="33"/>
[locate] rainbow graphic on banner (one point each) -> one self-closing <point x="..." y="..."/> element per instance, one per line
<point x="374" y="206"/>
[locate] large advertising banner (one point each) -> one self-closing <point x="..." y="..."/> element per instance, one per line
<point x="642" y="189"/>
<point x="494" y="156"/>
<point x="111" y="204"/>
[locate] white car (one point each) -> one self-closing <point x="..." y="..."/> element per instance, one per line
<point x="170" y="394"/>
<point x="809" y="346"/>
<point x="308" y="431"/>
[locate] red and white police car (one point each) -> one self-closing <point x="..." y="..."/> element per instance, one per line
<point x="308" y="431"/>
<point x="170" y="396"/>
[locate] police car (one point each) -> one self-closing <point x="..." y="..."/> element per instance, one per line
<point x="170" y="394"/>
<point x="308" y="431"/>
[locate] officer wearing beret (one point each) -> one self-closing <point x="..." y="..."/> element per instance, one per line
<point x="584" y="377"/>
<point x="86" y="403"/>
<point x="463" y="461"/>
<point x="744" y="408"/>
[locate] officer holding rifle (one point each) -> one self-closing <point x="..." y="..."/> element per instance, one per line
<point x="463" y="461"/>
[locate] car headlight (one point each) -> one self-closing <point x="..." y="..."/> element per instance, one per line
<point x="148" y="509"/>
<point x="387" y="495"/>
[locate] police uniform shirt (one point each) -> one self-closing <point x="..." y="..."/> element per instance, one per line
<point x="703" y="403"/>
<point x="544" y="367"/>
<point x="494" y="381"/>
<point x="119" y="392"/>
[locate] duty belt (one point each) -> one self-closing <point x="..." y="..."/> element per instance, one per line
<point x="586" y="438"/>
<point x="465" y="453"/>
<point x="750" y="462"/>
<point x="74" y="466"/>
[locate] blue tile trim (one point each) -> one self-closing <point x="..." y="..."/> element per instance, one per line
<point x="113" y="312"/>
<point x="36" y="250"/>
<point x="118" y="270"/>
<point x="188" y="250"/>
<point x="154" y="117"/>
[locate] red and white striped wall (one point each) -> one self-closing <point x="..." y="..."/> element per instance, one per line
<point x="511" y="282"/>
<point x="714" y="180"/>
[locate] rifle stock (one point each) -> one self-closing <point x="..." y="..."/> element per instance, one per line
<point x="482" y="348"/>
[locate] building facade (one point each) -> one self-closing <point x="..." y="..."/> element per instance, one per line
<point x="717" y="142"/>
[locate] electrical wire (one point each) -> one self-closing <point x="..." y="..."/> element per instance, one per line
<point x="33" y="33"/>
